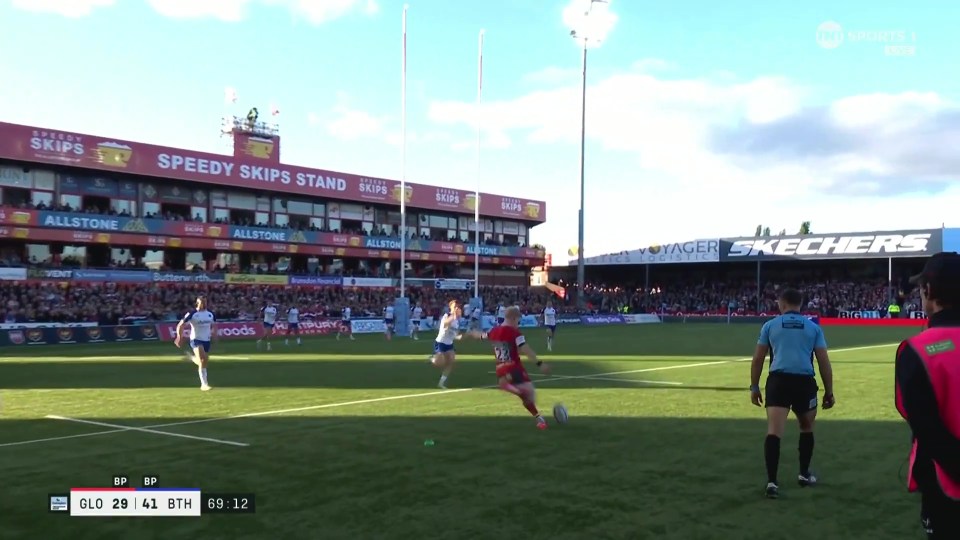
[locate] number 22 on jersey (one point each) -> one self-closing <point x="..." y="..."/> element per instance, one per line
<point x="502" y="352"/>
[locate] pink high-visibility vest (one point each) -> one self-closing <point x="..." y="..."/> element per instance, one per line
<point x="939" y="349"/>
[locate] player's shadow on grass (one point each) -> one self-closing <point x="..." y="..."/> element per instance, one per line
<point x="634" y="343"/>
<point x="374" y="476"/>
<point x="334" y="374"/>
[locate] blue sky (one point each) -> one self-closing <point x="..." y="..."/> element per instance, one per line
<point x="704" y="119"/>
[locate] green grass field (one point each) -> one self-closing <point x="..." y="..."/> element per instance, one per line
<point x="662" y="440"/>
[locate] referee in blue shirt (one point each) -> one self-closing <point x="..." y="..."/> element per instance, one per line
<point x="792" y="340"/>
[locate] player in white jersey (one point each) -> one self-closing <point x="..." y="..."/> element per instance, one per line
<point x="346" y="326"/>
<point x="269" y="315"/>
<point x="388" y="321"/>
<point x="201" y="321"/>
<point x="293" y="325"/>
<point x="416" y="316"/>
<point x="444" y="354"/>
<point x="501" y="313"/>
<point x="550" y="322"/>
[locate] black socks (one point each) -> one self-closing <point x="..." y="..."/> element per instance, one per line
<point x="806" y="452"/>
<point x="771" y="453"/>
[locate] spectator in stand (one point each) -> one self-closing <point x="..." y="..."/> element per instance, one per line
<point x="111" y="303"/>
<point x="693" y="297"/>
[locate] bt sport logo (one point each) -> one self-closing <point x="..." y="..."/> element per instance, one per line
<point x="894" y="42"/>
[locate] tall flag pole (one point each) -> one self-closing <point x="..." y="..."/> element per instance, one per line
<point x="476" y="198"/>
<point x="403" y="162"/>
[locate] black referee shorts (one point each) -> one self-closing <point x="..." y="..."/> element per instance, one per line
<point x="795" y="392"/>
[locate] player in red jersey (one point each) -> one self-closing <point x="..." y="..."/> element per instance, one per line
<point x="508" y="345"/>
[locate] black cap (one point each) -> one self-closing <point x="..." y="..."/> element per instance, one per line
<point x="941" y="270"/>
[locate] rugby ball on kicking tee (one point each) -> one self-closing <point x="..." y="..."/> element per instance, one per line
<point x="560" y="413"/>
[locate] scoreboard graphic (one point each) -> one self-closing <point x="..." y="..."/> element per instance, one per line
<point x="149" y="500"/>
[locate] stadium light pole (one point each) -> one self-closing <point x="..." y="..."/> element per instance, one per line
<point x="403" y="161"/>
<point x="476" y="198"/>
<point x="591" y="21"/>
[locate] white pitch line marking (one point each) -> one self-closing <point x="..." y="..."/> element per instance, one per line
<point x="639" y="381"/>
<point x="406" y="396"/>
<point x="62" y="438"/>
<point x="548" y="378"/>
<point x="145" y="430"/>
<point x="312" y="407"/>
<point x="440" y="392"/>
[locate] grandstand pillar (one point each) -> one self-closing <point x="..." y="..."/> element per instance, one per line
<point x="891" y="296"/>
<point x="758" y="287"/>
<point x="646" y="288"/>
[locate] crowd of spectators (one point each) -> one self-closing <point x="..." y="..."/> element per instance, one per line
<point x="743" y="297"/>
<point x="112" y="303"/>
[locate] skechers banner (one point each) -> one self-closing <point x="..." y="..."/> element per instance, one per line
<point x="681" y="252"/>
<point x="872" y="245"/>
<point x="568" y="319"/>
<point x="75" y="335"/>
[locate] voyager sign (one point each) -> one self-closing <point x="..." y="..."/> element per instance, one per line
<point x="680" y="252"/>
<point x="871" y="245"/>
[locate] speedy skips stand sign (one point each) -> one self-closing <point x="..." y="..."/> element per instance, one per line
<point x="870" y="245"/>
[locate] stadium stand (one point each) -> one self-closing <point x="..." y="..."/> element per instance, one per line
<point x="108" y="304"/>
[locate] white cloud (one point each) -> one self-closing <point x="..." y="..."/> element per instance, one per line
<point x="623" y="109"/>
<point x="677" y="159"/>
<point x="321" y="11"/>
<point x="652" y="64"/>
<point x="346" y="121"/>
<point x="352" y="124"/>
<point x="886" y="111"/>
<point x="553" y="76"/>
<point x="65" y="8"/>
<point x="224" y="10"/>
<point x="312" y="11"/>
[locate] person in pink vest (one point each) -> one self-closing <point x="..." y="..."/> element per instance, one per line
<point x="928" y="398"/>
